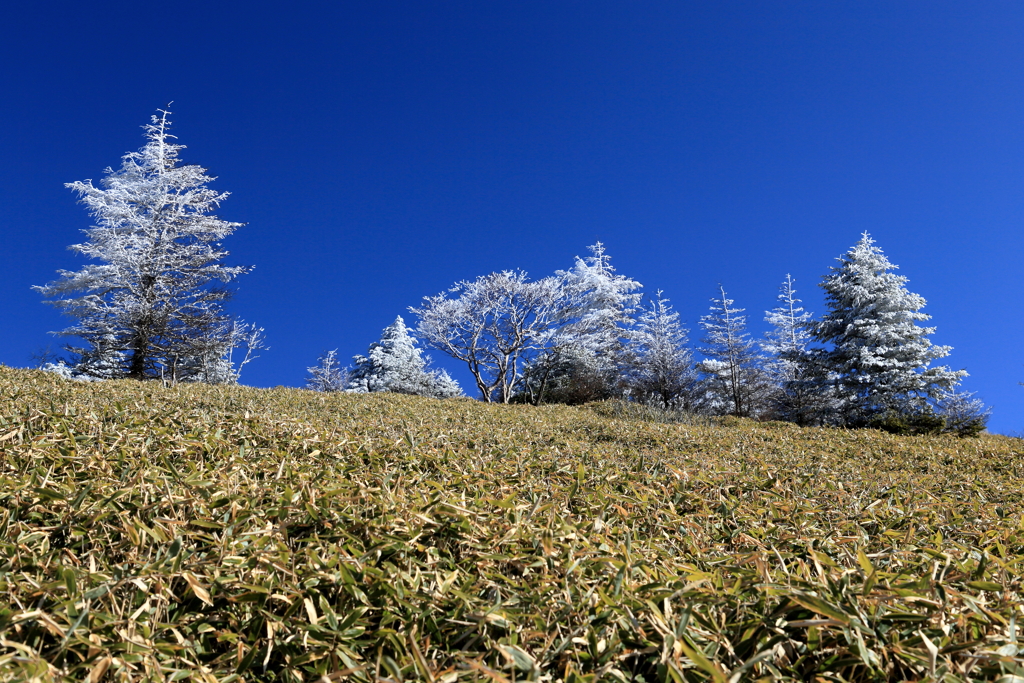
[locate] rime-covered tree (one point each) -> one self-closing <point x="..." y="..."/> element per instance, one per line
<point x="395" y="364"/>
<point x="327" y="375"/>
<point x="151" y="305"/>
<point x="788" y="336"/>
<point x="659" y="364"/>
<point x="597" y="304"/>
<point x="103" y="360"/>
<point x="210" y="355"/>
<point x="493" y="324"/>
<point x="786" y="363"/>
<point x="877" y="357"/>
<point x="964" y="413"/>
<point x="736" y="383"/>
<point x="582" y="357"/>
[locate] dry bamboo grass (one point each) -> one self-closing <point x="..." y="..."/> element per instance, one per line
<point x="235" y="534"/>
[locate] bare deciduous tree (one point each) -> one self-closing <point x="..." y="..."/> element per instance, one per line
<point x="327" y="375"/>
<point x="493" y="324"/>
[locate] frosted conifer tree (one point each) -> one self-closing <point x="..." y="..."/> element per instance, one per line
<point x="209" y="356"/>
<point x="598" y="305"/>
<point x="659" y="363"/>
<point x="965" y="414"/>
<point x="395" y="364"/>
<point x="788" y="336"/>
<point x="151" y="305"/>
<point x="327" y="375"/>
<point x="878" y="357"/>
<point x="788" y="362"/>
<point x="582" y="357"/>
<point x="102" y="361"/>
<point x="737" y="383"/>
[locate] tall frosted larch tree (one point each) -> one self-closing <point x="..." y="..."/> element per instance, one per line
<point x="395" y="364"/>
<point x="788" y="335"/>
<point x="785" y="348"/>
<point x="152" y="305"/>
<point x="877" y="357"/>
<point x="732" y="369"/>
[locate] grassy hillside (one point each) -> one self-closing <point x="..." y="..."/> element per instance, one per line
<point x="210" y="533"/>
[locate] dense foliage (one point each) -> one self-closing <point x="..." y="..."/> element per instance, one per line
<point x="395" y="364"/>
<point x="876" y="362"/>
<point x="225" y="533"/>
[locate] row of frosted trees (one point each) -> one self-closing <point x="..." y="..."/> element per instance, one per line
<point x="151" y="306"/>
<point x="585" y="334"/>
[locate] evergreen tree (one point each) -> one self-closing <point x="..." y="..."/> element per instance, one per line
<point x="965" y="415"/>
<point x="152" y="305"/>
<point x="103" y="360"/>
<point x="395" y="364"/>
<point x="598" y="305"/>
<point x="209" y="357"/>
<point x="569" y="374"/>
<point x="877" y="357"/>
<point x="737" y="385"/>
<point x="659" y="363"/>
<point x="583" y="354"/>
<point x="787" y="366"/>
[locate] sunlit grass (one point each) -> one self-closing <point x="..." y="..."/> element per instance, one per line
<point x="211" y="533"/>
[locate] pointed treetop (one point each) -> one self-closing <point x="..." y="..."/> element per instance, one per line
<point x="154" y="298"/>
<point x="880" y="356"/>
<point x="395" y="364"/>
<point x="788" y="320"/>
<point x="599" y="259"/>
<point x="395" y="330"/>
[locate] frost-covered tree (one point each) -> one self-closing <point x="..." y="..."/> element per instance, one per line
<point x="210" y="355"/>
<point x="965" y="414"/>
<point x="736" y="383"/>
<point x="659" y="364"/>
<point x="582" y="357"/>
<point x="786" y="363"/>
<point x="493" y="324"/>
<point x="152" y="304"/>
<point x="597" y="305"/>
<point x="104" y="360"/>
<point x="788" y="336"/>
<point x="395" y="364"/>
<point x="877" y="359"/>
<point x="327" y="375"/>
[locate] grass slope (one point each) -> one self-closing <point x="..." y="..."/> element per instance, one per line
<point x="211" y="533"/>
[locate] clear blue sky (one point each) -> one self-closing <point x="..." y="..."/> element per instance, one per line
<point x="379" y="151"/>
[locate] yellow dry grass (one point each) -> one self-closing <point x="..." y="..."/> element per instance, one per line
<point x="227" y="533"/>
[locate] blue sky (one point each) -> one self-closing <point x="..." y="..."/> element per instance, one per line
<point x="378" y="152"/>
